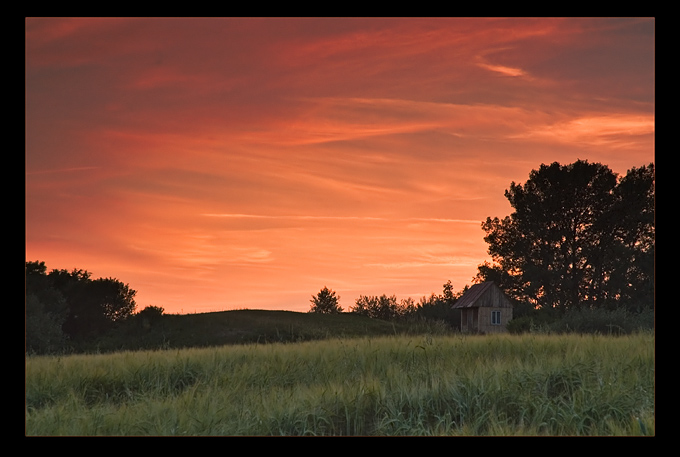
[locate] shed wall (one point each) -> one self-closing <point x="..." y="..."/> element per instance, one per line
<point x="484" y="320"/>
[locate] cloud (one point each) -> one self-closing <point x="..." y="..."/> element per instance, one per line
<point x="608" y="129"/>
<point x="61" y="170"/>
<point x="340" y="218"/>
<point x="507" y="71"/>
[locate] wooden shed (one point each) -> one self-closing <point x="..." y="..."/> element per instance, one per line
<point x="484" y="308"/>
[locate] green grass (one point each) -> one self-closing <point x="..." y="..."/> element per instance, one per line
<point x="389" y="385"/>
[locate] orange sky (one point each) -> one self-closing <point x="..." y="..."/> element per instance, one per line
<point x="215" y="164"/>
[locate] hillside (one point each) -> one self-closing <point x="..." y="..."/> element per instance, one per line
<point x="239" y="327"/>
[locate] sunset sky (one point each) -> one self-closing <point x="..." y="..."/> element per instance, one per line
<point x="220" y="163"/>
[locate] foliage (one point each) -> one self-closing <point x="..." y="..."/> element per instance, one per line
<point x="149" y="316"/>
<point x="325" y="302"/>
<point x="603" y="321"/>
<point x="398" y="385"/>
<point x="435" y="308"/>
<point x="439" y="307"/>
<point x="583" y="320"/>
<point x="382" y="307"/>
<point x="43" y="328"/>
<point x="579" y="236"/>
<point x="46" y="311"/>
<point x="385" y="307"/>
<point x="68" y="305"/>
<point x="151" y="312"/>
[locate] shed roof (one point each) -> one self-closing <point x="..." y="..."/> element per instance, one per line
<point x="477" y="291"/>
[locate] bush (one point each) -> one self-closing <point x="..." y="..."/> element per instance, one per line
<point x="519" y="325"/>
<point x="149" y="316"/>
<point x="585" y="320"/>
<point x="151" y="312"/>
<point x="437" y="308"/>
<point x="606" y="322"/>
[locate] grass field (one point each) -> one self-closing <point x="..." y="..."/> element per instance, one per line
<point x="389" y="385"/>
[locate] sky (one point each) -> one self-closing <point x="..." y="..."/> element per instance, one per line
<point x="230" y="163"/>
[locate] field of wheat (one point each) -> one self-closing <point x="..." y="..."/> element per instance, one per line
<point x="399" y="385"/>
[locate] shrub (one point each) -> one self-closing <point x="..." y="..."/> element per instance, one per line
<point x="585" y="320"/>
<point x="151" y="312"/>
<point x="601" y="321"/>
<point x="519" y="325"/>
<point x="149" y="316"/>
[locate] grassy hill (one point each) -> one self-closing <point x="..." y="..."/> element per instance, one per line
<point x="242" y="326"/>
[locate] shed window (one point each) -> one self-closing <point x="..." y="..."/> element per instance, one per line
<point x="495" y="318"/>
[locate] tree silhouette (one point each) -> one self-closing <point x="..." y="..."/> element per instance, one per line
<point x="325" y="302"/>
<point x="578" y="236"/>
<point x="73" y="302"/>
<point x="382" y="307"/>
<point x="45" y="311"/>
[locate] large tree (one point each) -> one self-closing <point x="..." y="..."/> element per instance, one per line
<point x="83" y="307"/>
<point x="578" y="236"/>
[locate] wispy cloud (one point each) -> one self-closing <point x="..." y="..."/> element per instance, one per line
<point x="507" y="71"/>
<point x="616" y="130"/>
<point x="342" y="218"/>
<point x="61" y="170"/>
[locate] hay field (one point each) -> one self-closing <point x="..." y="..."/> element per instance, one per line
<point x="391" y="385"/>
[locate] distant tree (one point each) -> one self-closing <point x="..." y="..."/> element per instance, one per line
<point x="447" y="292"/>
<point x="382" y="307"/>
<point x="407" y="308"/>
<point x="439" y="307"/>
<point x="578" y="236"/>
<point x="325" y="302"/>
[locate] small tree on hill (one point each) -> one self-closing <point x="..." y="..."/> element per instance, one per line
<point x="325" y="302"/>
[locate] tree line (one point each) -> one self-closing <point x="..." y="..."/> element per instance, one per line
<point x="433" y="307"/>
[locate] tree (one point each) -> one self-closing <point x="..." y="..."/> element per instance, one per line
<point x="71" y="300"/>
<point x="578" y="236"/>
<point x="325" y="302"/>
<point x="439" y="307"/>
<point x="382" y="307"/>
<point x="96" y="305"/>
<point x="45" y="310"/>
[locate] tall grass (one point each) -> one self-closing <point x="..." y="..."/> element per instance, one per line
<point x="400" y="385"/>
